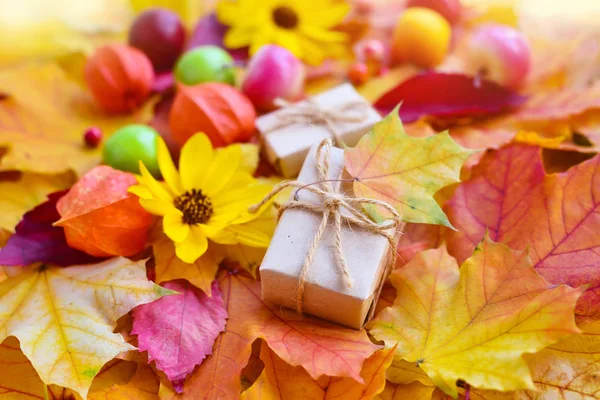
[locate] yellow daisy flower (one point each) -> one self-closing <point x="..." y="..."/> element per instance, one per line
<point x="207" y="199"/>
<point x="304" y="27"/>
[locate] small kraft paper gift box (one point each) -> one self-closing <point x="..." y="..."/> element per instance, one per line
<point x="326" y="257"/>
<point x="288" y="133"/>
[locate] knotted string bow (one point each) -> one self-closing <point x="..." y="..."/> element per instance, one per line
<point x="310" y="112"/>
<point x="330" y="207"/>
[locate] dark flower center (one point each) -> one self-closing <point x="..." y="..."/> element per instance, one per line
<point x="285" y="17"/>
<point x="195" y="206"/>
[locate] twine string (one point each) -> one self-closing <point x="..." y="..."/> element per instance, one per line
<point x="310" y="113"/>
<point x="330" y="208"/>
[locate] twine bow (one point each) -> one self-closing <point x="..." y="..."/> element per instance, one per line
<point x="330" y="207"/>
<point x="311" y="113"/>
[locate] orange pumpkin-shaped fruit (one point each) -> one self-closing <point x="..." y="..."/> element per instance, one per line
<point x="120" y="77"/>
<point x="221" y="111"/>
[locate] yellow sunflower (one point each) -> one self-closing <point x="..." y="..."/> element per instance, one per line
<point x="207" y="199"/>
<point x="304" y="27"/>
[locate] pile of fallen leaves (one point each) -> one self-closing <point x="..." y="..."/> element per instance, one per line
<point x="500" y="299"/>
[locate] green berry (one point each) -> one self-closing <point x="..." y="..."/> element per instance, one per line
<point x="205" y="64"/>
<point x="130" y="144"/>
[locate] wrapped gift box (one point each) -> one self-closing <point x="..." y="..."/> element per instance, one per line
<point x="286" y="144"/>
<point x="326" y="295"/>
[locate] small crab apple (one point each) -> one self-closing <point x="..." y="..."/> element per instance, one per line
<point x="273" y="72"/>
<point x="358" y="74"/>
<point x="449" y="9"/>
<point x="92" y="136"/>
<point x="499" y="53"/>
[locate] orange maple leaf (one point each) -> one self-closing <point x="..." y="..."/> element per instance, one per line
<point x="322" y="348"/>
<point x="280" y="380"/>
<point x="510" y="196"/>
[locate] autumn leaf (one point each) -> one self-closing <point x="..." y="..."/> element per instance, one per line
<point x="281" y="381"/>
<point x="101" y="217"/>
<point x="25" y="193"/>
<point x="74" y="310"/>
<point x="475" y="324"/>
<point x="413" y="391"/>
<point x="178" y="331"/>
<point x="169" y="267"/>
<point x="405" y="171"/>
<point x="561" y="104"/>
<point x="510" y="196"/>
<point x="36" y="240"/>
<point x="439" y="94"/>
<point x="320" y="347"/>
<point x="142" y="386"/>
<point x="535" y="139"/>
<point x="118" y="378"/>
<point x="43" y="119"/>
<point x="416" y="238"/>
<point x="568" y="369"/>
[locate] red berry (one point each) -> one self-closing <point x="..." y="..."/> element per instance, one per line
<point x="92" y="136"/>
<point x="358" y="74"/>
<point x="159" y="33"/>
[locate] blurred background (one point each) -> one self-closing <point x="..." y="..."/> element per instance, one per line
<point x="52" y="28"/>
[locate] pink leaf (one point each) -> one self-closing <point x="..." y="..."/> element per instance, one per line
<point x="36" y="240"/>
<point x="179" y="331"/>
<point x="447" y="95"/>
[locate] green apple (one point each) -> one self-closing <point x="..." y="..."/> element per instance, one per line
<point x="130" y="144"/>
<point x="205" y="64"/>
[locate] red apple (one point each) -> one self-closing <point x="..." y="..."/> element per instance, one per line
<point x="449" y="9"/>
<point x="273" y="72"/>
<point x="499" y="53"/>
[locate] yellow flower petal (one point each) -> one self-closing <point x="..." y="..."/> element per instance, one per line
<point x="174" y="227"/>
<point x="237" y="201"/>
<point x="322" y="35"/>
<point x="167" y="168"/>
<point x="243" y="235"/>
<point x="141" y="191"/>
<point x="238" y="37"/>
<point x="289" y="40"/>
<point x="157" y="207"/>
<point x="260" y="39"/>
<point x="222" y="169"/>
<point x="328" y="16"/>
<point x="157" y="190"/>
<point x="193" y="247"/>
<point x="196" y="157"/>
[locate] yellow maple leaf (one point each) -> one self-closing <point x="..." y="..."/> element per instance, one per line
<point x="405" y="171"/>
<point x="568" y="369"/>
<point x="19" y="381"/>
<point x="64" y="317"/>
<point x="25" y="193"/>
<point x="474" y="325"/>
<point x="44" y="117"/>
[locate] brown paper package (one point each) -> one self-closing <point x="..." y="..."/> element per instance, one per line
<point x="287" y="147"/>
<point x="326" y="295"/>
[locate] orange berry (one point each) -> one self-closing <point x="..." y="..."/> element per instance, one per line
<point x="421" y="36"/>
<point x="359" y="74"/>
